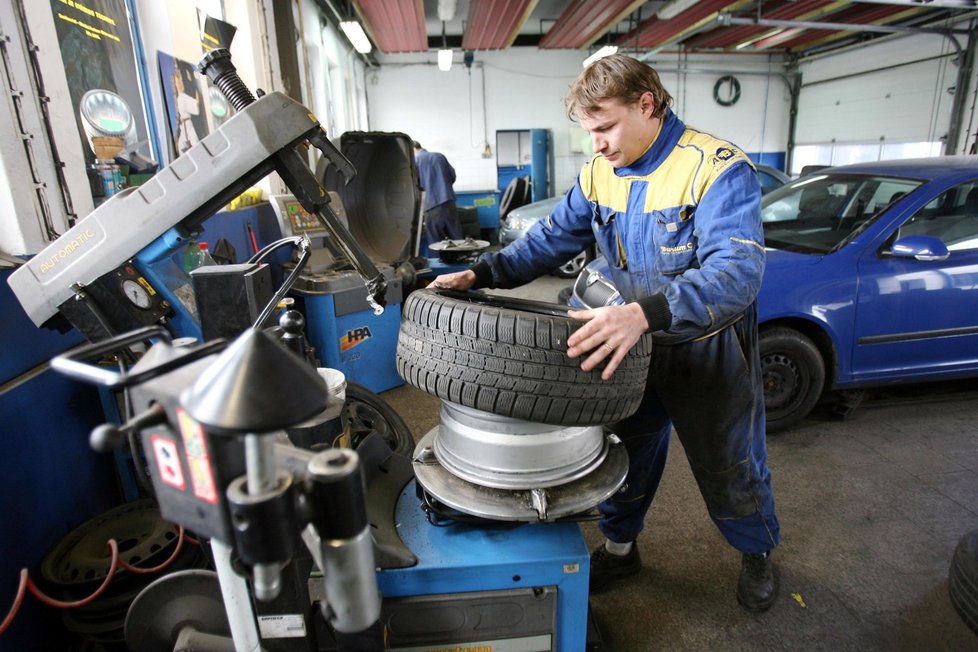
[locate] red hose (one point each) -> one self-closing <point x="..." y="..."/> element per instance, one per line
<point x="26" y="584"/>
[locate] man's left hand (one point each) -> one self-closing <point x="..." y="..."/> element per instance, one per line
<point x="610" y="331"/>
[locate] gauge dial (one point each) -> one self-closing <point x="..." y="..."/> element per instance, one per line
<point x="136" y="294"/>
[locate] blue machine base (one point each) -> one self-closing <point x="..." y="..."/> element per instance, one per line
<point x="360" y="344"/>
<point x="461" y="558"/>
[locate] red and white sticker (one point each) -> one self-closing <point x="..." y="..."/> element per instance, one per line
<point x="168" y="461"/>
<point x="198" y="457"/>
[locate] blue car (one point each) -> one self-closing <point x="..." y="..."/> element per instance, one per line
<point x="871" y="279"/>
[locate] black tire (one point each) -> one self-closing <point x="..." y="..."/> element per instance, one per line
<point x="468" y="219"/>
<point x="366" y="412"/>
<point x="573" y="267"/>
<point x="563" y="297"/>
<point x="962" y="582"/>
<point x="517" y="194"/>
<point x="793" y="374"/>
<point x="509" y="357"/>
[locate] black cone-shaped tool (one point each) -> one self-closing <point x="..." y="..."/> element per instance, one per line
<point x="256" y="385"/>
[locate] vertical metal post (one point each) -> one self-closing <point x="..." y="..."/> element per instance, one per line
<point x="237" y="601"/>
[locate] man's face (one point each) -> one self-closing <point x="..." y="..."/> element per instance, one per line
<point x="621" y="132"/>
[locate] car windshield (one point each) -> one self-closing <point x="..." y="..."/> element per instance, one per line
<point x="822" y="212"/>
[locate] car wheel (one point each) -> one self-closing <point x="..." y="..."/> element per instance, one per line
<point x="517" y="194"/>
<point x="366" y="412"/>
<point x="794" y="375"/>
<point x="509" y="357"/>
<point x="963" y="580"/>
<point x="573" y="267"/>
<point x="563" y="297"/>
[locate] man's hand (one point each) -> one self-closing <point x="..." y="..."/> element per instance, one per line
<point x="457" y="281"/>
<point x="609" y="331"/>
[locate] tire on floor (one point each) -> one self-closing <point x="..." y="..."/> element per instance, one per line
<point x="963" y="580"/>
<point x="509" y="357"/>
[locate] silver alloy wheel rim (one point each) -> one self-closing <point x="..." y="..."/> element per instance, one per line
<point x="530" y="505"/>
<point x="574" y="266"/>
<point x="505" y="453"/>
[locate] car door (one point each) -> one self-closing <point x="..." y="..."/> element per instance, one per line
<point x="918" y="319"/>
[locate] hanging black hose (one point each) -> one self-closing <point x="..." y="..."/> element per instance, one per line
<point x="733" y="93"/>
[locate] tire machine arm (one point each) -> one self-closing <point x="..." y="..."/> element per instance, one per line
<point x="82" y="274"/>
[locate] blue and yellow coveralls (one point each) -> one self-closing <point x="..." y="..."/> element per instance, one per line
<point x="681" y="230"/>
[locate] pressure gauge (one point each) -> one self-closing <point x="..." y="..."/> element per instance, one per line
<point x="136" y="294"/>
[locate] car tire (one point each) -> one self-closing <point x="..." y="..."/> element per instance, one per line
<point x="563" y="297"/>
<point x="963" y="580"/>
<point x="468" y="219"/>
<point x="573" y="267"/>
<point x="517" y="194"/>
<point x="366" y="412"/>
<point x="509" y="357"/>
<point x="793" y="373"/>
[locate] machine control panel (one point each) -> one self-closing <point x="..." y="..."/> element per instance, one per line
<point x="294" y="220"/>
<point x="300" y="221"/>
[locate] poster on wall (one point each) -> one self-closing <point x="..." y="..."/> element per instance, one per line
<point x="100" y="65"/>
<point x="185" y="106"/>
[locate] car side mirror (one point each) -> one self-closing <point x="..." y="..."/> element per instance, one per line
<point x="920" y="247"/>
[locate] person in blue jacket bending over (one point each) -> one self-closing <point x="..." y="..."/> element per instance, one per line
<point x="676" y="212"/>
<point x="436" y="176"/>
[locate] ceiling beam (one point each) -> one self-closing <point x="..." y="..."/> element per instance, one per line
<point x="727" y="19"/>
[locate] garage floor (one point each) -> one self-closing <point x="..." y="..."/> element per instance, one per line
<point x="871" y="509"/>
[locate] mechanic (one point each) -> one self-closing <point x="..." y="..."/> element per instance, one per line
<point x="676" y="212"/>
<point x="436" y="176"/>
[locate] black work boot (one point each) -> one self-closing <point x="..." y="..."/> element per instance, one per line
<point x="756" y="588"/>
<point x="607" y="567"/>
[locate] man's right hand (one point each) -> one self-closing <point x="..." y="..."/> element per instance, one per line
<point x="457" y="281"/>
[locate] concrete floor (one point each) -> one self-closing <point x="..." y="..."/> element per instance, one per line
<point x="871" y="509"/>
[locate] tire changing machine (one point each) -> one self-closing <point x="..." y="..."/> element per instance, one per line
<point x="516" y="585"/>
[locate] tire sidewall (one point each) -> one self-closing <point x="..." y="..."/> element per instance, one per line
<point x="783" y="350"/>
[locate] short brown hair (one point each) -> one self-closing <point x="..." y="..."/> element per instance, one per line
<point x="615" y="77"/>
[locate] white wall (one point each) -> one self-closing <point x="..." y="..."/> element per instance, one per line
<point x="524" y="88"/>
<point x="757" y="122"/>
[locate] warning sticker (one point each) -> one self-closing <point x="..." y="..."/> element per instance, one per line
<point x="168" y="461"/>
<point x="198" y="458"/>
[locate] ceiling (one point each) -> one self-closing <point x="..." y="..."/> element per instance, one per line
<point x="793" y="27"/>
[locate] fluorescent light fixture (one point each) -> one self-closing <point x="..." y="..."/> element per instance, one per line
<point x="674" y="8"/>
<point x="354" y="32"/>
<point x="446" y="10"/>
<point x="444" y="60"/>
<point x="600" y="54"/>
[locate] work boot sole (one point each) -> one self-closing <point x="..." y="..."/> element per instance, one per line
<point x="608" y="577"/>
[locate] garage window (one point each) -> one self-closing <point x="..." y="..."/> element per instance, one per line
<point x="846" y="153"/>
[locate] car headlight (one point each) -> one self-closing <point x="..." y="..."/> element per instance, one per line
<point x="519" y="223"/>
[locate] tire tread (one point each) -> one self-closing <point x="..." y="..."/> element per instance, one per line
<point x="511" y="362"/>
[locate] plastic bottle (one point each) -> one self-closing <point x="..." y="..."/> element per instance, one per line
<point x="191" y="257"/>
<point x="204" y="255"/>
